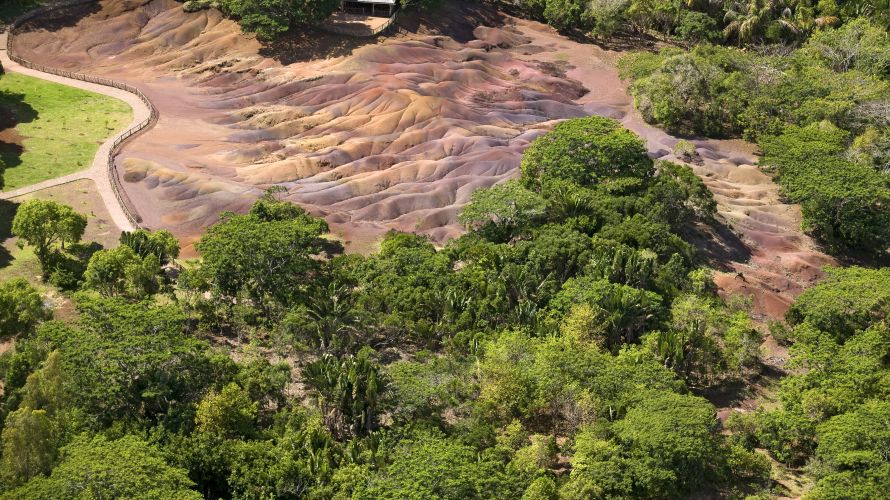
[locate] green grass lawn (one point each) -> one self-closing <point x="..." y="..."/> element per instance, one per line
<point x="61" y="128"/>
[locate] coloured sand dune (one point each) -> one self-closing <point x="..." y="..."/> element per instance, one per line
<point x="384" y="134"/>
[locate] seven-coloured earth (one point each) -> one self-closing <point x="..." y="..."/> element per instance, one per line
<point x="387" y="133"/>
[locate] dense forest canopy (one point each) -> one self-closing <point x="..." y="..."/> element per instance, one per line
<point x="562" y="348"/>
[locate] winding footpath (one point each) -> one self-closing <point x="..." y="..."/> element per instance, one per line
<point x="98" y="170"/>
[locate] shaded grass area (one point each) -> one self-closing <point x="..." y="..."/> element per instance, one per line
<point x="59" y="127"/>
<point x="10" y="9"/>
<point x="18" y="262"/>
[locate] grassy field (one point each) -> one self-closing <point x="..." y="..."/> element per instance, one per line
<point x="80" y="195"/>
<point x="60" y="128"/>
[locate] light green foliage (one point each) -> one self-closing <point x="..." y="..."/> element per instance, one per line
<point x="847" y="300"/>
<point x="45" y="224"/>
<point x="705" y="341"/>
<point x="29" y="446"/>
<point x="560" y="382"/>
<point x="430" y="466"/>
<point x="853" y="447"/>
<point x="608" y="15"/>
<point x="21" y="308"/>
<point x="860" y="45"/>
<point x="506" y="205"/>
<point x="228" y="414"/>
<point x="566" y="14"/>
<point x="872" y="148"/>
<point x="586" y="151"/>
<point x="45" y="389"/>
<point x="621" y="313"/>
<point x="99" y="468"/>
<point x="121" y="271"/>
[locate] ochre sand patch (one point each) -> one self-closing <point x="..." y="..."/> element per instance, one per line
<point x="393" y="134"/>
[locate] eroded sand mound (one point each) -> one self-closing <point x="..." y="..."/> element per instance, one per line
<point x="394" y="133"/>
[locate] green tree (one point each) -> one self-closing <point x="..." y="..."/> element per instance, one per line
<point x="348" y="390"/>
<point x="430" y="466"/>
<point x="99" y="468"/>
<point x="675" y="438"/>
<point x="267" y="257"/>
<point x="29" y="445"/>
<point x="21" y="308"/>
<point x="847" y="300"/>
<point x="43" y="224"/>
<point x="121" y="271"/>
<point x="506" y="206"/>
<point x="270" y="18"/>
<point x="759" y="20"/>
<point x="161" y="243"/>
<point x="587" y="151"/>
<point x="229" y="414"/>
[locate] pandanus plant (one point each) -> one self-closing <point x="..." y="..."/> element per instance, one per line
<point x="348" y="390"/>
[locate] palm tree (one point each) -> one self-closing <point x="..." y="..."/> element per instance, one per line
<point x="749" y="20"/>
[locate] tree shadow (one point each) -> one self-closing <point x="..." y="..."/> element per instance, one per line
<point x="308" y="43"/>
<point x="61" y="18"/>
<point x="13" y="111"/>
<point x="457" y="20"/>
<point x="717" y="244"/>
<point x="7" y="212"/>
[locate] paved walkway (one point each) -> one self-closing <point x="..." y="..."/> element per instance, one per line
<point x="98" y="170"/>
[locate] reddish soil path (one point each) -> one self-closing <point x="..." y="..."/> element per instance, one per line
<point x="388" y="134"/>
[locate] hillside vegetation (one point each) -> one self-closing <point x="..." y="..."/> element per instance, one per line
<point x="570" y="344"/>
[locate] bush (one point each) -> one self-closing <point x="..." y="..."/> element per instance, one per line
<point x="585" y="151"/>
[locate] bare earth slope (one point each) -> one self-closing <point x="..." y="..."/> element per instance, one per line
<point x="394" y="133"/>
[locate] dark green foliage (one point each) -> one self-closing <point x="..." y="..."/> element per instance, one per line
<point x="843" y="203"/>
<point x="266" y="255"/>
<point x="21" y="308"/>
<point x="349" y="392"/>
<point x="270" y="18"/>
<point x="128" y="361"/>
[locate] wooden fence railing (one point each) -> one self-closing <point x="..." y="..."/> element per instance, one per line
<point x="113" y="175"/>
<point x="349" y="31"/>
